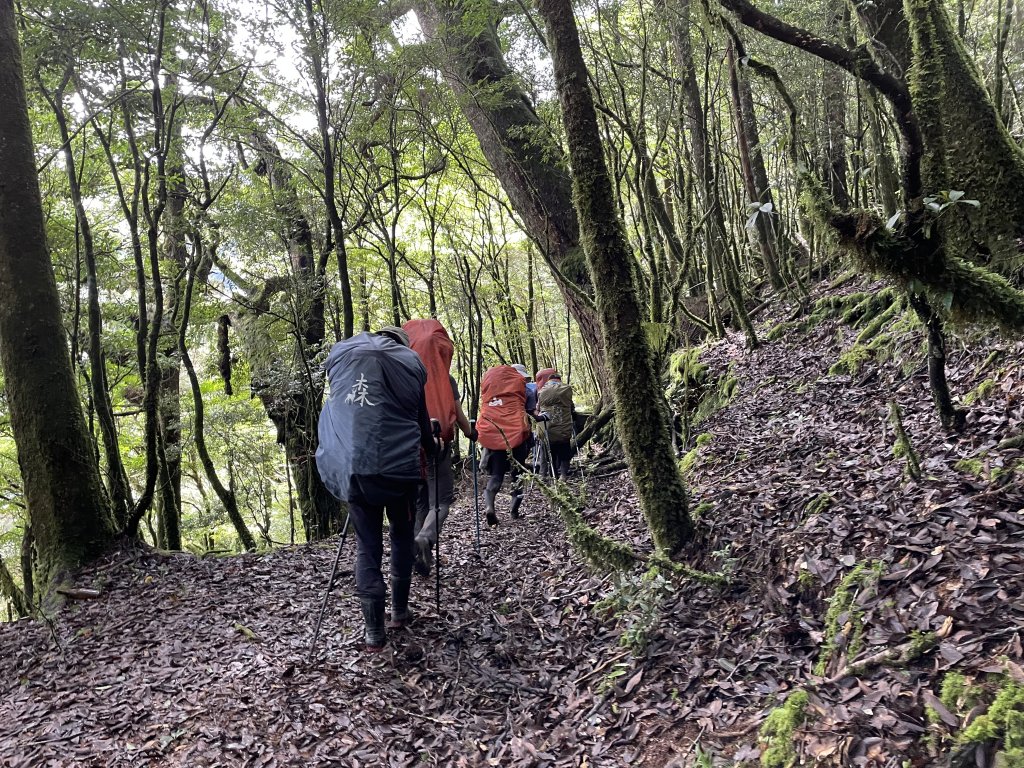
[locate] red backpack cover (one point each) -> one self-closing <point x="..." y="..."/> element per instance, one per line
<point x="431" y="342"/>
<point x="542" y="377"/>
<point x="502" y="424"/>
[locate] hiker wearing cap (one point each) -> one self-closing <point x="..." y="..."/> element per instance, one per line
<point x="429" y="339"/>
<point x="531" y="389"/>
<point x="557" y="409"/>
<point x="504" y="426"/>
<point x="373" y="426"/>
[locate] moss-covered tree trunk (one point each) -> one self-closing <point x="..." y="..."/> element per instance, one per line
<point x="517" y="145"/>
<point x="169" y="482"/>
<point x="720" y="264"/>
<point x="985" y="162"/>
<point x="640" y="405"/>
<point x="68" y="509"/>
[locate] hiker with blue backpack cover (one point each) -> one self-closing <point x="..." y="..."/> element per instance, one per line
<point x="375" y="439"/>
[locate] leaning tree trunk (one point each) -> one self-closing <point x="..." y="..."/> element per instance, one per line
<point x="640" y="403"/>
<point x="517" y="145"/>
<point x="68" y="509"/>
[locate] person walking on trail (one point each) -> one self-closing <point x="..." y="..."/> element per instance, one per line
<point x="531" y="389"/>
<point x="429" y="339"/>
<point x="505" y="432"/>
<point x="541" y="459"/>
<point x="555" y="402"/>
<point x="372" y="429"/>
<point x="533" y="448"/>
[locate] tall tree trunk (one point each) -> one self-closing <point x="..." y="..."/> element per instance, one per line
<point x="117" y="478"/>
<point x="833" y="96"/>
<point x="531" y="309"/>
<point x="525" y="158"/>
<point x="295" y="408"/>
<point x="1003" y="27"/>
<point x="227" y="495"/>
<point x="717" y="250"/>
<point x="641" y="411"/>
<point x="317" y="43"/>
<point x="886" y="182"/>
<point x="169" y="489"/>
<point x="755" y="176"/>
<point x="68" y="509"/>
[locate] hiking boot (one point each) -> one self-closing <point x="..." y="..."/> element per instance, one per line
<point x="517" y="500"/>
<point x="424" y="555"/>
<point x="492" y="519"/>
<point x="420" y="567"/>
<point x="421" y="518"/>
<point x="442" y="515"/>
<point x="373" y="619"/>
<point x="400" y="615"/>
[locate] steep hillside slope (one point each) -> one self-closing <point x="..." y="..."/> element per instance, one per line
<point x="867" y="616"/>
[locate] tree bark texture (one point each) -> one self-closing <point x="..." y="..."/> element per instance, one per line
<point x="985" y="163"/>
<point x="69" y="511"/>
<point x="517" y="145"/>
<point x="640" y="406"/>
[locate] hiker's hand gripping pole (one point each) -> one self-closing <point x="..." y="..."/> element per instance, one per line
<point x="435" y="429"/>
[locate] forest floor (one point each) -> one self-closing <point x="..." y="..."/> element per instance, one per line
<point x="534" y="660"/>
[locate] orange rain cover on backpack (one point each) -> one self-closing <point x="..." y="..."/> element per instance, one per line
<point x="542" y="377"/>
<point x="502" y="423"/>
<point x="431" y="342"/>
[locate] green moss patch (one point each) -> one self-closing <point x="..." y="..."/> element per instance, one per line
<point x="778" y="729"/>
<point x="845" y="618"/>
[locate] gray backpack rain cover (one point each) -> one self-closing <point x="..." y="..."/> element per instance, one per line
<point x="369" y="428"/>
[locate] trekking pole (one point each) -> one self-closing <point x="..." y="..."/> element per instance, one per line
<point x="476" y="494"/>
<point x="435" y="428"/>
<point x="551" y="457"/>
<point x="576" y="442"/>
<point x="327" y="593"/>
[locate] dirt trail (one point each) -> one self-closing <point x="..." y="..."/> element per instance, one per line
<point x="201" y="661"/>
